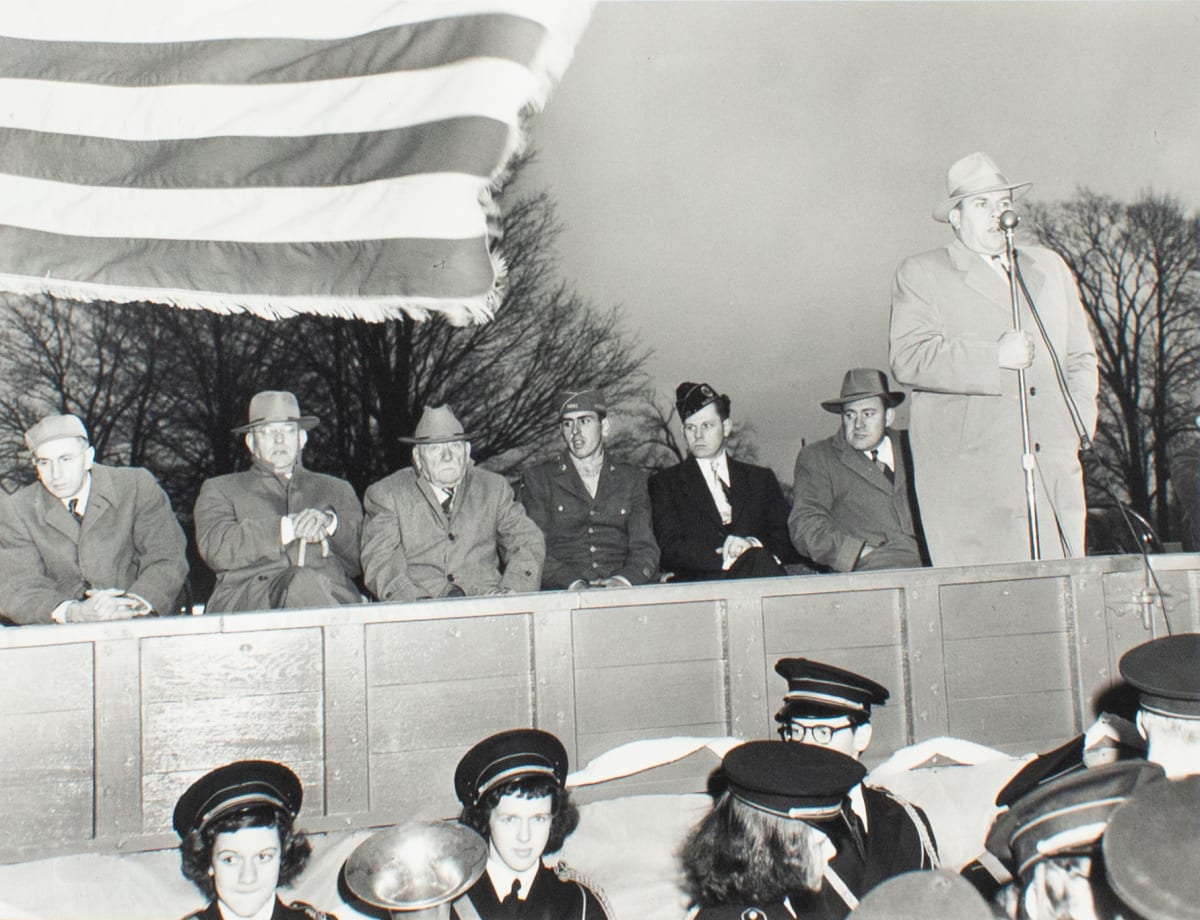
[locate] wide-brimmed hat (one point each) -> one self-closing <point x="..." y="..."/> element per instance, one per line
<point x="974" y="174"/>
<point x="863" y="383"/>
<point x="53" y="427"/>
<point x="271" y="406"/>
<point x="437" y="425"/>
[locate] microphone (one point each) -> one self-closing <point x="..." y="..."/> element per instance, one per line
<point x="1009" y="220"/>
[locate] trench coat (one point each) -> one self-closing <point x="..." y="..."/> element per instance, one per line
<point x="610" y="534"/>
<point x="841" y="501"/>
<point x="412" y="550"/>
<point x="129" y="538"/>
<point x="237" y="533"/>
<point x="949" y="308"/>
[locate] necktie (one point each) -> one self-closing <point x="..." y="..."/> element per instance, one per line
<point x="716" y="468"/>
<point x="73" y="507"/>
<point x="883" y="467"/>
<point x="513" y="896"/>
<point x="447" y="501"/>
<point x="1001" y="263"/>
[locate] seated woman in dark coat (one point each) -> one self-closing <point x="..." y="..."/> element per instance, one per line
<point x="512" y="789"/>
<point x="239" y="843"/>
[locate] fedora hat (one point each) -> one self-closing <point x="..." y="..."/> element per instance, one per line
<point x="272" y="406"/>
<point x="974" y="174"/>
<point x="438" y="425"/>
<point x="861" y="383"/>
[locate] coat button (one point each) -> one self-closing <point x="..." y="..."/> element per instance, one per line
<point x="450" y="577"/>
<point x="1033" y="391"/>
<point x="560" y="507"/>
<point x="595" y="565"/>
<point x="592" y="549"/>
<point x="592" y="513"/>
<point x="591" y="530"/>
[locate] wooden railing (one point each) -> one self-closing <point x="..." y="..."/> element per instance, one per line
<point x="103" y="726"/>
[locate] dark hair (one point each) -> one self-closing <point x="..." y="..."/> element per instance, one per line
<point x="565" y="816"/>
<point x="738" y="854"/>
<point x="196" y="849"/>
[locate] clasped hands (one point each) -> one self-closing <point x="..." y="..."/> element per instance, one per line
<point x="733" y="547"/>
<point x="312" y="525"/>
<point x="101" y="604"/>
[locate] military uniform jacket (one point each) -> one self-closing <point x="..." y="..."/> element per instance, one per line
<point x="411" y="549"/>
<point x="129" y="538"/>
<point x="841" y="501"/>
<point x="237" y="533"/>
<point x="550" y="898"/>
<point x="297" y="910"/>
<point x="688" y="525"/>
<point x="586" y="537"/>
<point x="949" y="307"/>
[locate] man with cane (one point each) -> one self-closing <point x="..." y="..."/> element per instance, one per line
<point x="1003" y="398"/>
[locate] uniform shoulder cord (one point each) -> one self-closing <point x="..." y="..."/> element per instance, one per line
<point x="567" y="874"/>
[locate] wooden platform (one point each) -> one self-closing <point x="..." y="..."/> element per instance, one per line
<point x="103" y="726"/>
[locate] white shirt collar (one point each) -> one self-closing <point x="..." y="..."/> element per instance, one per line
<point x="84" y="493"/>
<point x="886" y="453"/>
<point x="502" y="878"/>
<point x="263" y="913"/>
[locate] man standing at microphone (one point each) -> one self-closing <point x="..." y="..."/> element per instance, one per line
<point x="952" y="340"/>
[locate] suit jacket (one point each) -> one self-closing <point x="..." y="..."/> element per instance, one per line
<point x="237" y="533"/>
<point x="297" y="910"/>
<point x="411" y="550"/>
<point x="129" y="538"/>
<point x="949" y="307"/>
<point x="586" y="537"/>
<point x="688" y="525"/>
<point x="841" y="501"/>
<point x="550" y="898"/>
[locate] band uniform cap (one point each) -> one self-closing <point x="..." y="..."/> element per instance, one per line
<point x="507" y="756"/>
<point x="271" y="406"/>
<point x="690" y="398"/>
<point x="923" y="895"/>
<point x="1151" y="855"/>
<point x="582" y="401"/>
<point x="437" y="425"/>
<point x="819" y="690"/>
<point x="53" y="427"/>
<point x="974" y="174"/>
<point x="1166" y="671"/>
<point x="1064" y="759"/>
<point x="238" y="785"/>
<point x="799" y="781"/>
<point x="1067" y="814"/>
<point x="863" y="383"/>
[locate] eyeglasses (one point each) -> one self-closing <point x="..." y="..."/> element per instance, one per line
<point x="820" y="734"/>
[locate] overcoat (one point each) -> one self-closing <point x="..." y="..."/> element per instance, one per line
<point x="841" y="500"/>
<point x="550" y="898"/>
<point x="688" y="525"/>
<point x="949" y="308"/>
<point x="129" y="538"/>
<point x="610" y="534"/>
<point x="411" y="550"/>
<point x="237" y="533"/>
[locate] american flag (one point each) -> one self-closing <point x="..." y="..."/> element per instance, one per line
<point x="268" y="156"/>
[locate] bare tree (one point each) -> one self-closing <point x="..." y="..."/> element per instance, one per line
<point x="652" y="437"/>
<point x="1137" y="266"/>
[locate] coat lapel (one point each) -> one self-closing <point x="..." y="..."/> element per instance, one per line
<point x="568" y="478"/>
<point x="56" y="516"/>
<point x="979" y="276"/>
<point x="858" y="462"/>
<point x="697" y="486"/>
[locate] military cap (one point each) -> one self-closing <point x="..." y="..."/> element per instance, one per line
<point x="1151" y="855"/>
<point x="690" y="398"/>
<point x="923" y="895"/>
<point x="582" y="401"/>
<point x="53" y="427"/>
<point x="238" y="785"/>
<point x="1067" y="814"/>
<point x="1167" y="673"/>
<point x="791" y="780"/>
<point x="507" y="756"/>
<point x="817" y="690"/>
<point x="272" y="406"/>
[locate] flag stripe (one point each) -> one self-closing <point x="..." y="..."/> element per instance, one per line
<point x="456" y="145"/>
<point x="486" y="87"/>
<point x="273" y="60"/>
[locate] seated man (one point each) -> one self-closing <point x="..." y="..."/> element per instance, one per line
<point x="595" y="512"/>
<point x="86" y="542"/>
<point x="831" y="708"/>
<point x="278" y="535"/>
<point x="715" y="517"/>
<point x="852" y="507"/>
<point x="446" y="528"/>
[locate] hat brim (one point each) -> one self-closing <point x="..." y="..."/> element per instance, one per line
<point x="942" y="212"/>
<point x="890" y="399"/>
<point x="305" y="422"/>
<point x="440" y="439"/>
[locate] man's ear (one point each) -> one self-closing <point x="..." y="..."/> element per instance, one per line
<point x="89" y="457"/>
<point x="302" y="438"/>
<point x="1137" y="720"/>
<point x="249" y="439"/>
<point x="604" y="428"/>
<point x="862" y="737"/>
<point x="889" y="416"/>
<point x="727" y="426"/>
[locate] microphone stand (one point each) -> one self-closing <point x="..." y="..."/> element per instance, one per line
<point x="1008" y="222"/>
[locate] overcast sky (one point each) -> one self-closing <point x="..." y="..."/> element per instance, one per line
<point x="743" y="177"/>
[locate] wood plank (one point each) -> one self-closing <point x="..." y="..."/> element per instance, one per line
<point x="749" y="715"/>
<point x="994" y="665"/>
<point x="193" y="668"/>
<point x="921" y="624"/>
<point x="1028" y="721"/>
<point x="554" y="678"/>
<point x="1093" y="674"/>
<point x="670" y="695"/>
<point x="644" y="634"/>
<point x="346" y="738"/>
<point x="23" y="678"/>
<point x="417" y="652"/>
<point x="416" y="785"/>
<point x="118" y="729"/>
<point x="817" y="622"/>
<point x="1004" y="608"/>
<point x="440" y="714"/>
